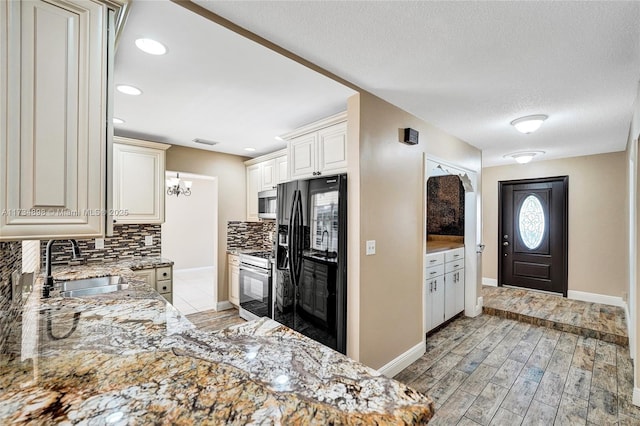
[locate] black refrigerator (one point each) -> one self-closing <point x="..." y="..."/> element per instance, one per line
<point x="310" y="284"/>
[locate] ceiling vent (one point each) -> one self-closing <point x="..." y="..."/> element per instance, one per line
<point x="205" y="142"/>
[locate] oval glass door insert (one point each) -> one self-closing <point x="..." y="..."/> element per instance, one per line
<point x="531" y="222"/>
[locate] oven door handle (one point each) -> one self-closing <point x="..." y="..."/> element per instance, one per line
<point x="257" y="271"/>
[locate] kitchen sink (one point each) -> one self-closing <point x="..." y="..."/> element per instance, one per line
<point x="92" y="286"/>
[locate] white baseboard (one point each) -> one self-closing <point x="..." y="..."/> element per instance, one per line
<point x="596" y="298"/>
<point x="224" y="305"/>
<point x="398" y="364"/>
<point x="490" y="281"/>
<point x="636" y="396"/>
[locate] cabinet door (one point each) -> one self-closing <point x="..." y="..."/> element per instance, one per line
<point x="428" y="321"/>
<point x="268" y="175"/>
<point x="302" y="156"/>
<point x="254" y="185"/>
<point x="459" y="284"/>
<point x="437" y="308"/>
<point x="332" y="149"/>
<point x="138" y="184"/>
<point x="53" y="116"/>
<point x="450" y="295"/>
<point x="148" y="276"/>
<point x="282" y="169"/>
<point x="234" y="279"/>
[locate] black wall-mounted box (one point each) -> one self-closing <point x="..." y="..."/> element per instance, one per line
<point x="410" y="136"/>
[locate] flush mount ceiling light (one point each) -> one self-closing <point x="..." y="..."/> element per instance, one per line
<point x="150" y="46"/>
<point x="117" y="120"/>
<point x="529" y="124"/>
<point x="250" y="149"/>
<point x="128" y="90"/>
<point x="523" y="157"/>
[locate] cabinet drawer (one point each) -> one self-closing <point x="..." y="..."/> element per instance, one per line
<point x="451" y="255"/>
<point x="163" y="286"/>
<point x="453" y="266"/>
<point x="433" y="259"/>
<point x="163" y="273"/>
<point x="434" y="271"/>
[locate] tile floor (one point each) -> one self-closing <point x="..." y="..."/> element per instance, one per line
<point x="495" y="371"/>
<point x="595" y="320"/>
<point x="193" y="290"/>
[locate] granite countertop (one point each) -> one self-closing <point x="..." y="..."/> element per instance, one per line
<point x="131" y="358"/>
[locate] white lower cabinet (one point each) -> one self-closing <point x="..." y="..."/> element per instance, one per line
<point x="444" y="287"/>
<point x="233" y="265"/>
<point x="160" y="279"/>
<point x="434" y="302"/>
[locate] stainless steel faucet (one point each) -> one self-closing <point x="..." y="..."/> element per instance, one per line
<point x="48" y="285"/>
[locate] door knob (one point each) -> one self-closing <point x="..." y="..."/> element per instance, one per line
<point x="506" y="243"/>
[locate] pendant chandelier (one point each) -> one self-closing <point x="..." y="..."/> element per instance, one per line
<point x="177" y="187"/>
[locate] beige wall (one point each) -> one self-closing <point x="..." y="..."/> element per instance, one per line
<point x="231" y="173"/>
<point x="597" y="218"/>
<point x="390" y="207"/>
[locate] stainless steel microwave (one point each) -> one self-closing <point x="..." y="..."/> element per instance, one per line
<point x="267" y="204"/>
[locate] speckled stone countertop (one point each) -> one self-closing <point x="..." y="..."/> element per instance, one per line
<point x="130" y="357"/>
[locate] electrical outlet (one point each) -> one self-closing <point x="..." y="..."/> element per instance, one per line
<point x="148" y="240"/>
<point x="371" y="247"/>
<point x="99" y="243"/>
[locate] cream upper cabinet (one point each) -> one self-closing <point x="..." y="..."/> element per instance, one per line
<point x="319" y="148"/>
<point x="254" y="185"/>
<point x="54" y="58"/>
<point x="302" y="152"/>
<point x="268" y="175"/>
<point x="282" y="169"/>
<point x="138" y="181"/>
<point x="332" y="149"/>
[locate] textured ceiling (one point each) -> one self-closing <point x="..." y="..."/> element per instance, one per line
<point x="472" y="67"/>
<point x="213" y="84"/>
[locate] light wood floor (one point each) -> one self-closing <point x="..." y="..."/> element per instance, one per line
<point x="215" y="320"/>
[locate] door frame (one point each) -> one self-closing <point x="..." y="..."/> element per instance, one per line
<point x="565" y="218"/>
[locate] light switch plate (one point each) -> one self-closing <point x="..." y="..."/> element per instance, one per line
<point x="148" y="240"/>
<point x="99" y="243"/>
<point x="371" y="247"/>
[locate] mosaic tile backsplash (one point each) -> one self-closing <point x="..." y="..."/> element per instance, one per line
<point x="445" y="206"/>
<point x="10" y="260"/>
<point x="127" y="242"/>
<point x="250" y="235"/>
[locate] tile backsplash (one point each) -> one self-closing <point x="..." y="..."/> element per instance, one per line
<point x="127" y="242"/>
<point x="250" y="235"/>
<point x="10" y="260"/>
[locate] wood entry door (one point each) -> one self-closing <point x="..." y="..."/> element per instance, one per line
<point x="533" y="225"/>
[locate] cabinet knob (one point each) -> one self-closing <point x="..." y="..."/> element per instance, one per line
<point x="164" y="274"/>
<point x="164" y="287"/>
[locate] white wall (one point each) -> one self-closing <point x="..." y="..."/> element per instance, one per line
<point x="189" y="234"/>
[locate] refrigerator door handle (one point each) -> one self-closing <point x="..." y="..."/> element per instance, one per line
<point x="300" y="236"/>
<point x="291" y="243"/>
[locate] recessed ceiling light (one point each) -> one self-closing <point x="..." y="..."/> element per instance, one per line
<point x="150" y="46"/>
<point x="128" y="90"/>
<point x="524" y="157"/>
<point x="529" y="124"/>
<point x="250" y="149"/>
<point x="117" y="120"/>
<point x="278" y="138"/>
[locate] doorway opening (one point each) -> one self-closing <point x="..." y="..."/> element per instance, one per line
<point x="533" y="234"/>
<point x="189" y="239"/>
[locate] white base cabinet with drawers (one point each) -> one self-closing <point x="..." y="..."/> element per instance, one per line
<point x="233" y="265"/>
<point x="160" y="278"/>
<point x="444" y="286"/>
